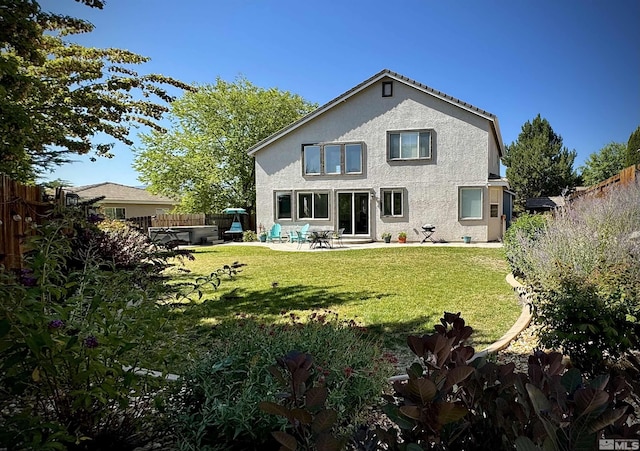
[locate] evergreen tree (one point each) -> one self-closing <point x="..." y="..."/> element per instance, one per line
<point x="633" y="149"/>
<point x="538" y="164"/>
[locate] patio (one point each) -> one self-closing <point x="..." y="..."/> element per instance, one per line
<point x="357" y="244"/>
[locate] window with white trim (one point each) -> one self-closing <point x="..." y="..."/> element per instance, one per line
<point x="283" y="205"/>
<point x="114" y="212"/>
<point x="410" y="145"/>
<point x="332" y="159"/>
<point x="470" y="203"/>
<point x="313" y="205"/>
<point x="392" y="201"/>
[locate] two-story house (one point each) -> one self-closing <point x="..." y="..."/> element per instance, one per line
<point x="389" y="155"/>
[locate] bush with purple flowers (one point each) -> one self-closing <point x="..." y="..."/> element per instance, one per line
<point x="56" y="324"/>
<point x="584" y="272"/>
<point x="84" y="306"/>
<point x="91" y="342"/>
<point x="26" y="278"/>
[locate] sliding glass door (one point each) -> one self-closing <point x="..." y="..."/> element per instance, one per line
<point x="353" y="213"/>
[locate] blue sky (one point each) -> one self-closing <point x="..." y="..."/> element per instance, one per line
<point x="576" y="62"/>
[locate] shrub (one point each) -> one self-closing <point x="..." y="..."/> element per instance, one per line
<point x="585" y="274"/>
<point x="249" y="236"/>
<point x="524" y="230"/>
<point x="69" y="321"/>
<point x="310" y="424"/>
<point x="429" y="406"/>
<point x="449" y="404"/>
<point x="218" y="403"/>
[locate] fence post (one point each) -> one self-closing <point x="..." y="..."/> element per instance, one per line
<point x="21" y="206"/>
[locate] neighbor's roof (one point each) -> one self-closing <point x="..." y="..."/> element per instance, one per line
<point x="545" y="203"/>
<point x="386" y="73"/>
<point x="116" y="193"/>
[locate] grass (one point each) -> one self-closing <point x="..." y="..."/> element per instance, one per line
<point x="392" y="291"/>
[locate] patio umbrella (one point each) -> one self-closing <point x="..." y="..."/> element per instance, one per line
<point x="235" y="211"/>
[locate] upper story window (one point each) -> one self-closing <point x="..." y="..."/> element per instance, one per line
<point x="312" y="160"/>
<point x="387" y="88"/>
<point x="412" y="145"/>
<point x="333" y="159"/>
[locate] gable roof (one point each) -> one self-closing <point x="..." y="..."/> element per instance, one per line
<point x="385" y="73"/>
<point x="114" y="192"/>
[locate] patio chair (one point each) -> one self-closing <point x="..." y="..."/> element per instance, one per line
<point x="275" y="233"/>
<point x="337" y="236"/>
<point x="293" y="236"/>
<point x="235" y="232"/>
<point x="299" y="236"/>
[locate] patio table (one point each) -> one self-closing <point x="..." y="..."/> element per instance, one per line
<point x="320" y="239"/>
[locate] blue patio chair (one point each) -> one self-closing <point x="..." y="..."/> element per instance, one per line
<point x="235" y="232"/>
<point x="275" y="233"/>
<point x="303" y="234"/>
<point x="299" y="236"/>
<point x="293" y="236"/>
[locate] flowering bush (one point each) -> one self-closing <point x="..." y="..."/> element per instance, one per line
<point x="526" y="229"/>
<point x="584" y="271"/>
<point x="69" y="321"/>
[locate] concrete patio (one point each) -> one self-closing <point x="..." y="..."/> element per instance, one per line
<point x="347" y="245"/>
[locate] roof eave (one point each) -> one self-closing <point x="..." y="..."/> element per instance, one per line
<point x="137" y="202"/>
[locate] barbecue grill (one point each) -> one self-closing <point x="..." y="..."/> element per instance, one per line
<point x="427" y="231"/>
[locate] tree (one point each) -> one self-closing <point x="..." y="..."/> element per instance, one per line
<point x="203" y="159"/>
<point x="632" y="155"/>
<point x="537" y="163"/>
<point x="56" y="96"/>
<point x="603" y="164"/>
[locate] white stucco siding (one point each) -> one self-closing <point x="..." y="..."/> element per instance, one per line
<point x="460" y="143"/>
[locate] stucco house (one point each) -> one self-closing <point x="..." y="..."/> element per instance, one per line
<point x="389" y="155"/>
<point x="123" y="202"/>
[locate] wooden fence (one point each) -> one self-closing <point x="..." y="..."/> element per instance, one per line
<point x="171" y="220"/>
<point x="223" y="221"/>
<point x="21" y="207"/>
<point x="627" y="175"/>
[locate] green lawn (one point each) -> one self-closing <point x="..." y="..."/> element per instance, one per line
<point x="392" y="291"/>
